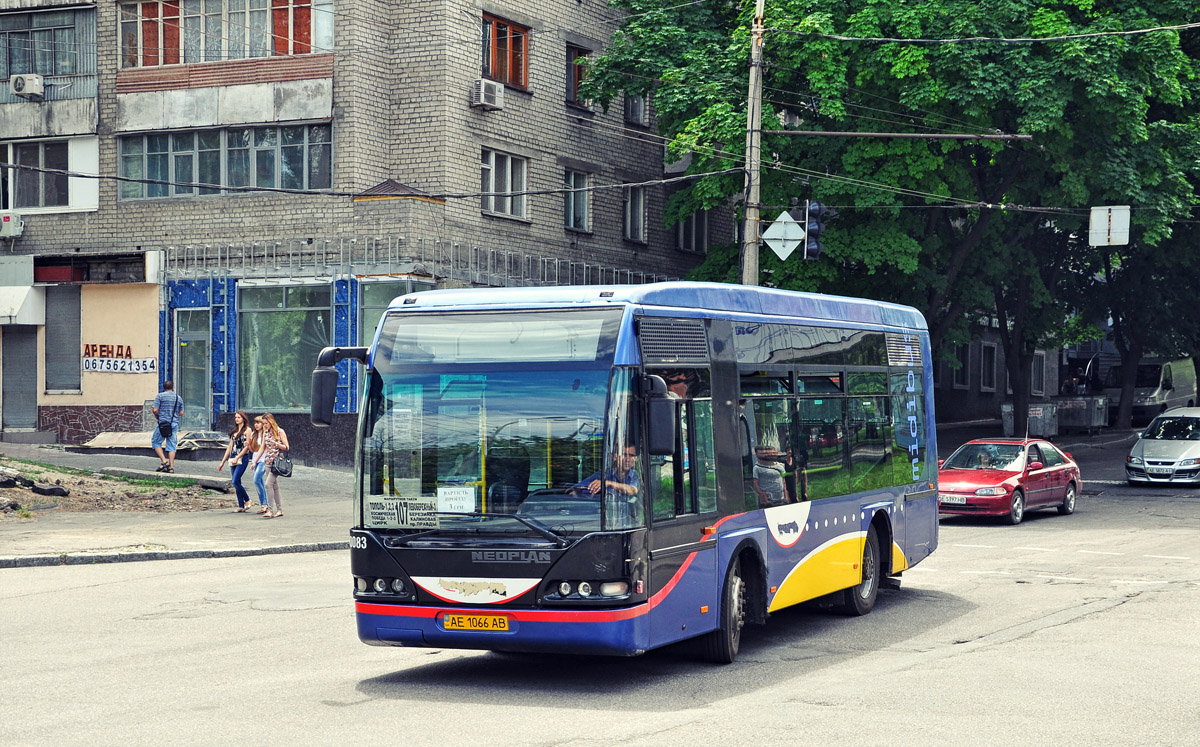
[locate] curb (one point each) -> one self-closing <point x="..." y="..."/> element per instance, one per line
<point x="92" y="558"/>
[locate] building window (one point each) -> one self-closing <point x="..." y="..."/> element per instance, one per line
<point x="634" y="203"/>
<point x="502" y="180"/>
<point x="691" y="233"/>
<point x="987" y="367"/>
<point x="280" y="332"/>
<point x="505" y="51"/>
<point x="175" y="164"/>
<point x="375" y="297"/>
<point x="32" y="186"/>
<point x="636" y="111"/>
<point x="39" y="43"/>
<point x="962" y="353"/>
<point x="1037" y="376"/>
<point x="575" y="202"/>
<point x="168" y="32"/>
<point x="576" y="73"/>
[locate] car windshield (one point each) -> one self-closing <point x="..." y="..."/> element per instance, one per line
<point x="1174" y="429"/>
<point x="986" y="456"/>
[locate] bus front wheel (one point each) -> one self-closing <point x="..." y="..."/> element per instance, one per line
<point x="721" y="645"/>
<point x="859" y="600"/>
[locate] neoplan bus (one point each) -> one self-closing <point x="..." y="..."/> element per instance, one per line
<point x="610" y="469"/>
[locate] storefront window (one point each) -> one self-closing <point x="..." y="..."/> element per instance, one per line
<point x="280" y="332"/>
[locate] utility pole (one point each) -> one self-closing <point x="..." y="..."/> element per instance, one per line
<point x="753" y="152"/>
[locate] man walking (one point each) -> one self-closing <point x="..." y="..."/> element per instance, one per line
<point x="167" y="409"/>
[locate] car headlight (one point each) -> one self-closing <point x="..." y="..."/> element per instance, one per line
<point x="1188" y="462"/>
<point x="1135" y="461"/>
<point x="991" y="491"/>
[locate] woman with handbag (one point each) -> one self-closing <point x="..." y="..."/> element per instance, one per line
<point x="237" y="466"/>
<point x="254" y="452"/>
<point x="275" y="441"/>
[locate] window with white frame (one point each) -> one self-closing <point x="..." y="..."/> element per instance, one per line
<point x="170" y="32"/>
<point x="691" y="233"/>
<point x="575" y="202"/>
<point x="962" y="353"/>
<point x="634" y="210"/>
<point x="987" y="367"/>
<point x="41" y="43"/>
<point x="281" y="329"/>
<point x="502" y="182"/>
<point x="1037" y="375"/>
<point x="175" y="164"/>
<point x="636" y="111"/>
<point x="34" y="182"/>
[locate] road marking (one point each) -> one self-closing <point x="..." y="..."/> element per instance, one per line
<point x="1128" y="581"/>
<point x="985" y="573"/>
<point x="1100" y="552"/>
<point x="922" y="569"/>
<point x="1168" y="557"/>
<point x="1037" y="549"/>
<point x="1062" y="578"/>
<point x="990" y="547"/>
<point x="1108" y="482"/>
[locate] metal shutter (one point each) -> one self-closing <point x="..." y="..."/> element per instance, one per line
<point x="20" y="376"/>
<point x="62" y="338"/>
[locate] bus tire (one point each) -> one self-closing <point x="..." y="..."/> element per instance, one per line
<point x="721" y="645"/>
<point x="1016" y="510"/>
<point x="859" y="600"/>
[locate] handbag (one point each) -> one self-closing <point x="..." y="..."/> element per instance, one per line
<point x="282" y="464"/>
<point x="164" y="429"/>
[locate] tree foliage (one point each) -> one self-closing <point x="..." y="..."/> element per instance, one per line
<point x="957" y="228"/>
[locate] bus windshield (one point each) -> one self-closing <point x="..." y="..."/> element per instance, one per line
<point x="462" y="435"/>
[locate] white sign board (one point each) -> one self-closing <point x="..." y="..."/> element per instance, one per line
<point x="456" y="500"/>
<point x="1109" y="226"/>
<point x="401" y="513"/>
<point x="784" y="235"/>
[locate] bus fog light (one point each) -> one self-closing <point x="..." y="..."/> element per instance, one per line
<point x="585" y="589"/>
<point x="564" y="589"/>
<point x="398" y="585"/>
<point x="381" y="585"/>
<point x="360" y="583"/>
<point x="614" y="588"/>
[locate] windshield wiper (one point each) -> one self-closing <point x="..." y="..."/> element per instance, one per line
<point x="532" y="523"/>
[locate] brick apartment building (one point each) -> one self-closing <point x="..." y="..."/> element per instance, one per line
<point x="210" y="191"/>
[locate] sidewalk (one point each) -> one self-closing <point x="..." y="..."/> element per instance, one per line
<point x="316" y="508"/>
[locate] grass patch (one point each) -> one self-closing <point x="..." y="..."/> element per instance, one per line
<point x="30" y="469"/>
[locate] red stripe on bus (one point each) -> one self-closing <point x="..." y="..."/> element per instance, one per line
<point x="591" y="616"/>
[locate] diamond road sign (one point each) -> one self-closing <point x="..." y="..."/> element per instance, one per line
<point x="784" y="235"/>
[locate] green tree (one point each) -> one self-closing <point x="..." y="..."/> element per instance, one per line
<point x="956" y="228"/>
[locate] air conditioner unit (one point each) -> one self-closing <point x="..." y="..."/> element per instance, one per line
<point x="27" y="86"/>
<point x="11" y="225"/>
<point x="487" y="94"/>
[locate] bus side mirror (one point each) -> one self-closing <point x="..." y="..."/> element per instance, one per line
<point x="324" y="392"/>
<point x="660" y="417"/>
<point x="325" y="381"/>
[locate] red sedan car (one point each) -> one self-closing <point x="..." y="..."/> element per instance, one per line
<point x="1007" y="477"/>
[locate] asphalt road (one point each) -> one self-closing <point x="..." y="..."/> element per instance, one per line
<point x="1064" y="630"/>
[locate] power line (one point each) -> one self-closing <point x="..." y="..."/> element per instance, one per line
<point x="987" y="39"/>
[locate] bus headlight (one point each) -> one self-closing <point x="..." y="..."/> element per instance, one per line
<point x="585" y="589"/>
<point x="614" y="588"/>
<point x="381" y="585"/>
<point x="360" y="583"/>
<point x="398" y="585"/>
<point x="564" y="589"/>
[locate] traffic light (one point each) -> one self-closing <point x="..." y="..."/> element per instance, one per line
<point x="814" y="225"/>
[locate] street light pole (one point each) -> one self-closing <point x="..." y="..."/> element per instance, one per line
<point x="750" y="227"/>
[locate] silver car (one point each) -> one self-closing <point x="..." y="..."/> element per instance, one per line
<point x="1168" y="451"/>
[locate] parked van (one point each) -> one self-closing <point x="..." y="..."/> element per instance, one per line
<point x="1161" y="384"/>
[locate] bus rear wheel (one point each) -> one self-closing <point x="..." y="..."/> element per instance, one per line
<point x="721" y="645"/>
<point x="859" y="600"/>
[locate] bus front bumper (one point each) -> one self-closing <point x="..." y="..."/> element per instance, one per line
<point x="612" y="632"/>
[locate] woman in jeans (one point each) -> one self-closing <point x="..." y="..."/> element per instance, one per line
<point x="254" y="447"/>
<point x="274" y="441"/>
<point x="237" y="467"/>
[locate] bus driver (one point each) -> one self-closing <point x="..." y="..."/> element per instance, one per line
<point x="620" y="479"/>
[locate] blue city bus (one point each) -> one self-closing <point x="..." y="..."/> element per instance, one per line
<point x="610" y="469"/>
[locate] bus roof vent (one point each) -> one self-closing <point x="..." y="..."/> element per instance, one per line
<point x="672" y="340"/>
<point x="904" y="350"/>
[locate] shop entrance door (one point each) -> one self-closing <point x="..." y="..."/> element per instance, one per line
<point x="193" y="329"/>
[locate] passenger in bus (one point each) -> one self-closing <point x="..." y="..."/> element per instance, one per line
<point x="769" y="480"/>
